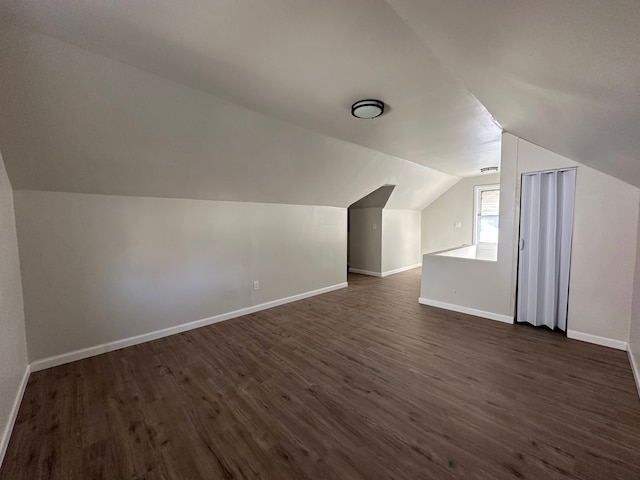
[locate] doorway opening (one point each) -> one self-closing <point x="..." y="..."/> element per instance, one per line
<point x="364" y="232"/>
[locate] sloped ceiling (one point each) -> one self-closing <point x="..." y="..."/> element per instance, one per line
<point x="247" y="100"/>
<point x="300" y="62"/>
<point x="74" y="121"/>
<point x="562" y="74"/>
<point x="376" y="199"/>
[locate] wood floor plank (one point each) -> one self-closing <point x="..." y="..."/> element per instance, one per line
<point x="360" y="383"/>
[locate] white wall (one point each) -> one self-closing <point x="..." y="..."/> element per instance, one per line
<point x="365" y="239"/>
<point x="400" y="239"/>
<point x="13" y="348"/>
<point x="483" y="286"/>
<point x="634" y="327"/>
<point x="602" y="260"/>
<point x="603" y="249"/>
<point x="99" y="269"/>
<point x="455" y="205"/>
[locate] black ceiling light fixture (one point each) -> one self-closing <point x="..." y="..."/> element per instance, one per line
<point x="369" y="108"/>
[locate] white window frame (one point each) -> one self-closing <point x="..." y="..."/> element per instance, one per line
<point x="477" y="192"/>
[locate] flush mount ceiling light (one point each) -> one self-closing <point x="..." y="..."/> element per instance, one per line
<point x="367" y="108"/>
<point x="488" y="169"/>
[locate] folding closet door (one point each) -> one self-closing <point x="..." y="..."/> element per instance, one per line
<point x="546" y="228"/>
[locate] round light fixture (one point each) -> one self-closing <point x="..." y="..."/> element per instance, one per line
<point x="367" y="108"/>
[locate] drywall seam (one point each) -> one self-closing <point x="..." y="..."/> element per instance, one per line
<point x="469" y="311"/>
<point x="146" y="337"/>
<point x="6" y="435"/>
<point x="595" y="339"/>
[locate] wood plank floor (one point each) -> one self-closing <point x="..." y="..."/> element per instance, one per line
<point x="361" y="383"/>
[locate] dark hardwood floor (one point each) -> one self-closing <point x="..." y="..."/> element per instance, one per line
<point x="361" y="383"/>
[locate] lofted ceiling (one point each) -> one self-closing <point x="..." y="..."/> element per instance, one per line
<point x="249" y="100"/>
<point x="301" y="61"/>
<point x="562" y="74"/>
<point x="75" y="121"/>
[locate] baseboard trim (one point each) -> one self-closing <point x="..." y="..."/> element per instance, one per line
<point x="603" y="341"/>
<point x="469" y="311"/>
<point x="400" y="270"/>
<point x="6" y="435"/>
<point x="127" y="342"/>
<point x="634" y="368"/>
<point x="384" y="274"/>
<point x="365" y="272"/>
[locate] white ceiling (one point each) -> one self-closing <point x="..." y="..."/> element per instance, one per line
<point x="564" y="75"/>
<point x="74" y="121"/>
<point x="301" y="61"/>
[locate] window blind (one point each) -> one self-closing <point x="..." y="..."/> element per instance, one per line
<point x="490" y="202"/>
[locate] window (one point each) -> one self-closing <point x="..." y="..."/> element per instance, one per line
<point x="486" y="214"/>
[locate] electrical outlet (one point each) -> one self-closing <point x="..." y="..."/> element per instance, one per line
<point x="256" y="284"/>
<point x="375" y="226"/>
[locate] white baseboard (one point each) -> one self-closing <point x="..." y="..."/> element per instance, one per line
<point x="365" y="272"/>
<point x="401" y="269"/>
<point x="635" y="368"/>
<point x="127" y="342"/>
<point x="6" y="435"/>
<point x="604" y="341"/>
<point x="384" y="274"/>
<point x="470" y="311"/>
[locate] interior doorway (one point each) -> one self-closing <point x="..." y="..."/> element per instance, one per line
<point x="364" y="232"/>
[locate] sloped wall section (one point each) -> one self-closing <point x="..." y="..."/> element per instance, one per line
<point x="75" y="121"/>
